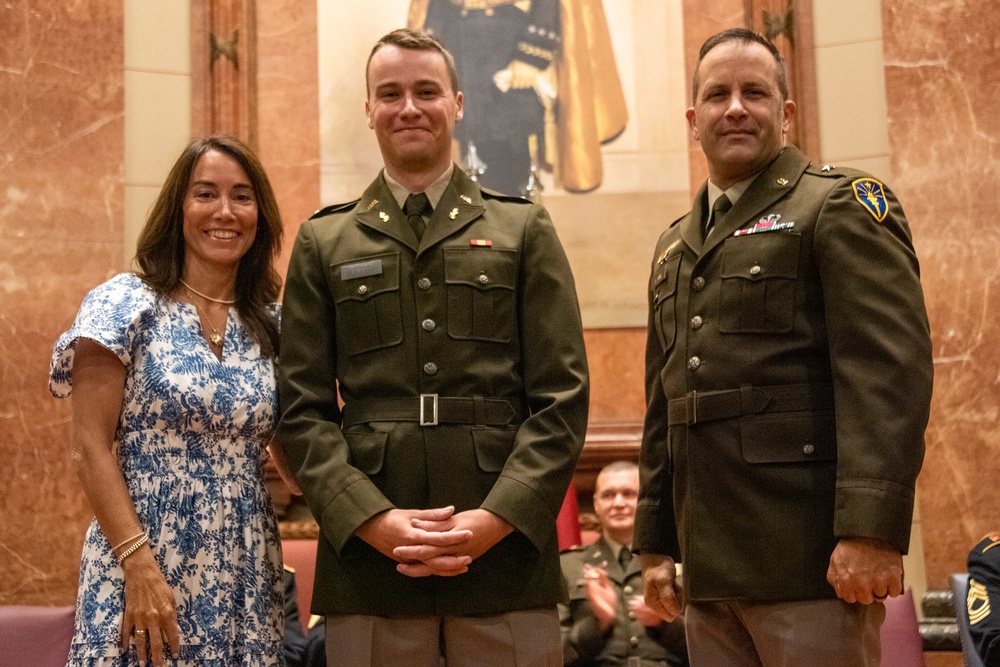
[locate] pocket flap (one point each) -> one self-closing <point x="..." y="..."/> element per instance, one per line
<point x="367" y="450"/>
<point x="481" y="268"/>
<point x="493" y="446"/>
<point x="789" y="437"/>
<point x="761" y="256"/>
<point x="364" y="278"/>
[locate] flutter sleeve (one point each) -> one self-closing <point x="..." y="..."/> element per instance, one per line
<point x="110" y="315"/>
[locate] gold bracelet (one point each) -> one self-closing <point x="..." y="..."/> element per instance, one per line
<point x="124" y="542"/>
<point x="131" y="550"/>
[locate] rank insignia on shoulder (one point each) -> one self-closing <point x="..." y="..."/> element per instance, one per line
<point x="994" y="539"/>
<point x="480" y="243"/>
<point x="466" y="198"/>
<point x="871" y="194"/>
<point x="372" y="204"/>
<point x="977" y="602"/>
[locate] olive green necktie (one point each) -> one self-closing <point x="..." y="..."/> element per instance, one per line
<point x="415" y="208"/>
<point x="719" y="210"/>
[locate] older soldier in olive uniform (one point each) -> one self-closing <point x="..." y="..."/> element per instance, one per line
<point x="606" y="623"/>
<point x="453" y="333"/>
<point x="983" y="600"/>
<point x="789" y="374"/>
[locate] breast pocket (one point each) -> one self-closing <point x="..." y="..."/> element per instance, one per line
<point x="481" y="286"/>
<point x="758" y="283"/>
<point x="663" y="287"/>
<point x="366" y="291"/>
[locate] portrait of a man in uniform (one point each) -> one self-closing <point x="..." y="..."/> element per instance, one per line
<point x="540" y="83"/>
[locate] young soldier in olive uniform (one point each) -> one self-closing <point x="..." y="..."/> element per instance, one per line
<point x="984" y="599"/>
<point x="789" y="373"/>
<point x="455" y="340"/>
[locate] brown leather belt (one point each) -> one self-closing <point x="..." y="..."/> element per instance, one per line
<point x="704" y="406"/>
<point x="431" y="410"/>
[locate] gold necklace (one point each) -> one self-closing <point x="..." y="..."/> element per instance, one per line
<point x="216" y="337"/>
<point x="227" y="302"/>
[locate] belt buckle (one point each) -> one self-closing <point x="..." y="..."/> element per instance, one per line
<point x="424" y="421"/>
<point x="692" y="407"/>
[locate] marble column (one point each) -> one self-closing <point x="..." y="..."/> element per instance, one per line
<point x="61" y="221"/>
<point x="942" y="73"/>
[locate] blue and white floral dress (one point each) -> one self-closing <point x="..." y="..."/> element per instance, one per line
<point x="190" y="443"/>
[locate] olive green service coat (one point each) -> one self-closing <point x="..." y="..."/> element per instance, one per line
<point x="812" y="331"/>
<point x="483" y="308"/>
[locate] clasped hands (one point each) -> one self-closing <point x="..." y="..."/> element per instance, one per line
<point x="436" y="541"/>
<point x="603" y="598"/>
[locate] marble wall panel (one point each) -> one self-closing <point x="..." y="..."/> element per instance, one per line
<point x="701" y="21"/>
<point x="617" y="392"/>
<point x="61" y="209"/>
<point x="942" y="76"/>
<point x="288" y="109"/>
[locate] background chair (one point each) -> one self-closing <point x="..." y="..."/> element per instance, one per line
<point x="568" y="521"/>
<point x="35" y="636"/>
<point x="900" y="635"/>
<point x="960" y="591"/>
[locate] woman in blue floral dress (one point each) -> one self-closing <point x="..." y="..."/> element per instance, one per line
<point x="172" y="375"/>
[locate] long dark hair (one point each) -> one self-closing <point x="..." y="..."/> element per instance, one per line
<point x="159" y="257"/>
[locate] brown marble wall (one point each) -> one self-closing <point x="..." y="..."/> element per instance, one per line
<point x="288" y="109"/>
<point x="942" y="77"/>
<point x="61" y="223"/>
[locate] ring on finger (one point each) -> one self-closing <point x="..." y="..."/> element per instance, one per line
<point x="140" y="632"/>
<point x="880" y="598"/>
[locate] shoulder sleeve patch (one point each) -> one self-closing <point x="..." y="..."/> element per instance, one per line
<point x="870" y="193"/>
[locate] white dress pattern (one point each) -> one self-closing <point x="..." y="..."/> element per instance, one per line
<point x="190" y="443"/>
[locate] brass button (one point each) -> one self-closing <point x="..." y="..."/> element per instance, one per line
<point x="430" y="368"/>
<point x="634" y="641"/>
<point x="628" y="590"/>
<point x="483" y="278"/>
<point x="428" y="325"/>
<point x="696" y="322"/>
<point x="698" y="283"/>
<point x="694" y="363"/>
<point x="424" y="284"/>
<point x="755" y="269"/>
<point x="808" y="449"/>
<point x="362" y="289"/>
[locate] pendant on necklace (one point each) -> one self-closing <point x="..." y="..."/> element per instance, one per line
<point x="216" y="337"/>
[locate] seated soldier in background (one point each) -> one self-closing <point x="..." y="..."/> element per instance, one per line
<point x="606" y="621"/>
<point x="304" y="644"/>
<point x="984" y="598"/>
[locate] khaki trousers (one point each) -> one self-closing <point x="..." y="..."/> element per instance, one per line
<point x="817" y="633"/>
<point x="515" y="639"/>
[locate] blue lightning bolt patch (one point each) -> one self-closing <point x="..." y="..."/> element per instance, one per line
<point x="871" y="195"/>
